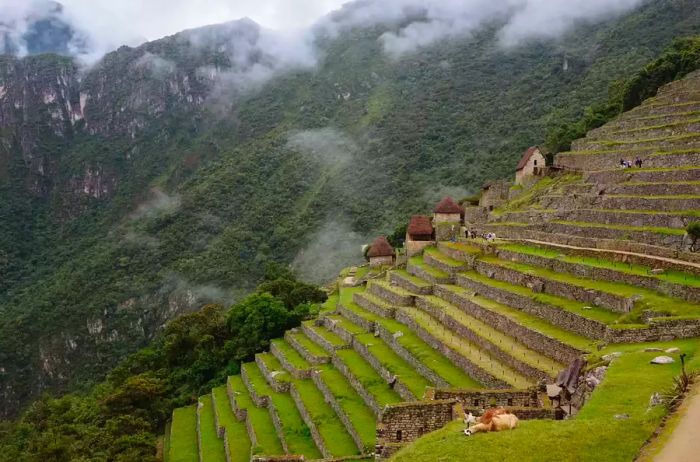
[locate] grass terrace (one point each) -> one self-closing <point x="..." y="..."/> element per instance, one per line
<point x="650" y="300"/>
<point x="436" y="254"/>
<point x="647" y="229"/>
<point x="675" y="277"/>
<point x="417" y="261"/>
<point x="525" y="319"/>
<point x="309" y="345"/>
<point x="414" y="279"/>
<point x="327" y="335"/>
<point x="368" y="377"/>
<point x="414" y="345"/>
<point x="291" y="355"/>
<point x="212" y="448"/>
<point x="296" y="433"/>
<point x="335" y="436"/>
<point x="468" y="350"/>
<point x="183" y="435"/>
<point x="352" y="404"/>
<point x="260" y="419"/>
<point x="463" y="247"/>
<point x="594" y="434"/>
<point x="329" y="305"/>
<point x="236" y="435"/>
<point x="655" y="127"/>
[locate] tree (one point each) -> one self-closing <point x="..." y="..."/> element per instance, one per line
<point x="254" y="321"/>
<point x="693" y="230"/>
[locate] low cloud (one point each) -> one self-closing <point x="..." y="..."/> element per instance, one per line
<point x="328" y="146"/>
<point x="158" y="67"/>
<point x="159" y="203"/>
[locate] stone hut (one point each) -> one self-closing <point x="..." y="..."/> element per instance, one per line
<point x="493" y="194"/>
<point x="531" y="164"/>
<point x="380" y="252"/>
<point x="447" y="211"/>
<point x="419" y="234"/>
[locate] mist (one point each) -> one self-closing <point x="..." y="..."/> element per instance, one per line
<point x="327" y="146"/>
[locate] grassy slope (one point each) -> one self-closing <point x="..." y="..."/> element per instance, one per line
<point x="236" y="434"/>
<point x="594" y="434"/>
<point x="183" y="436"/>
<point x="212" y="448"/>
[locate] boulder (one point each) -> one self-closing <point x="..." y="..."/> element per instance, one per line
<point x="649" y="350"/>
<point x="611" y="356"/>
<point x="622" y="416"/>
<point x="398" y="334"/>
<point x="663" y="360"/>
<point x="673" y="350"/>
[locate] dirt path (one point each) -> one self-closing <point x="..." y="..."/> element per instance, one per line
<point x="683" y="444"/>
<point x="623" y="252"/>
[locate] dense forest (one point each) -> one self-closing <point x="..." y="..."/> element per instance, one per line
<point x="188" y="207"/>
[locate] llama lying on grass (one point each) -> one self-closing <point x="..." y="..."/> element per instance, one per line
<point x="493" y="420"/>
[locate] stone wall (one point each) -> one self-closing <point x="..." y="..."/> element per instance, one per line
<point x="458" y="254"/>
<point x="389" y="295"/>
<point x="356" y="384"/>
<point x="307" y="355"/>
<point x="488" y="398"/>
<point x="447" y="230"/>
<point x="406" y="283"/>
<point x="381" y="261"/>
<point x="684" y="292"/>
<point x="593" y="297"/>
<point x="588" y="162"/>
<point x="460" y="361"/>
<point x="483" y="343"/>
<point x="330" y="399"/>
<point x="559" y="317"/>
<point x="476" y="214"/>
<point x="370" y="305"/>
<point x="623" y="175"/>
<point x="492" y="195"/>
<point x="402" y="423"/>
<point x="423" y="274"/>
<point x="447" y="218"/>
<point x="286" y="458"/>
<point x="416" y="247"/>
<point x="434" y="262"/>
<point x="315" y="435"/>
<point x="661" y="329"/>
<point x="537" y="341"/>
<point x="319" y="339"/>
<point x="296" y="373"/>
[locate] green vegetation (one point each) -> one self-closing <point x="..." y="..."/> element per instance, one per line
<point x="291" y="355"/>
<point x="183" y="439"/>
<point x="418" y="261"/>
<point x="236" y="434"/>
<point x="260" y="419"/>
<point x="628" y="384"/>
<point x="309" y="345"/>
<point x="212" y="448"/>
<point x="693" y="230"/>
<point x="442" y="258"/>
<point x="644" y="229"/>
<point x="413" y="279"/>
<point x="679" y="59"/>
<point x="368" y="377"/>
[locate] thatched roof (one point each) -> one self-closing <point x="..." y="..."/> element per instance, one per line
<point x="526" y="157"/>
<point x="380" y="248"/>
<point x="420" y="225"/>
<point x="448" y="205"/>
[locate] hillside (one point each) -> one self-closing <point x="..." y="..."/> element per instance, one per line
<point x="127" y="197"/>
<point x="468" y="323"/>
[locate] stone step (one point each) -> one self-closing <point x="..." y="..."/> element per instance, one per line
<point x="229" y="428"/>
<point x="374" y="304"/>
<point x="504" y="348"/>
<point x="564" y="313"/>
<point x="608" y="266"/>
<point x="467" y="355"/>
<point x="323" y="337"/>
<point x="660" y="130"/>
<point x="659" y="175"/>
<point x="417" y="267"/>
<point x="542" y="280"/>
<point x="259" y="424"/>
<point x="560" y="345"/>
<point x="290" y="359"/>
<point x="527" y="233"/>
<point x="391" y="294"/>
<point x="414" y="284"/>
<point x="684" y="141"/>
<point x="308" y="349"/>
<point x="610" y="158"/>
<point x="433" y="257"/>
<point x="656" y="110"/>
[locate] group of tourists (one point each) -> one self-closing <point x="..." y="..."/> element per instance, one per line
<point x="627" y="164"/>
<point x="473" y="234"/>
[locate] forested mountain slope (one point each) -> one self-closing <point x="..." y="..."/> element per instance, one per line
<point x="167" y="175"/>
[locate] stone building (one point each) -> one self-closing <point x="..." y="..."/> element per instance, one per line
<point x="493" y="194"/>
<point x="531" y="164"/>
<point x="447" y="219"/>
<point x="380" y="252"/>
<point x="419" y="234"/>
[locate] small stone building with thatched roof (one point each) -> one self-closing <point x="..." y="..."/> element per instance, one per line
<point x="447" y="211"/>
<point x="380" y="252"/>
<point x="419" y="234"/>
<point x="531" y="164"/>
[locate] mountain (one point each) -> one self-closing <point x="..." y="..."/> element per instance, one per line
<point x="166" y="176"/>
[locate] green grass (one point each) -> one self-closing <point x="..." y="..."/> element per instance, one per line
<point x="324" y="333"/>
<point x="291" y="355"/>
<point x="654" y="183"/>
<point x="656" y="196"/>
<point x="353" y="405"/>
<point x="309" y="345"/>
<point x="420" y="350"/>
<point x="594" y="313"/>
<point x="403" y="274"/>
<point x="392" y="288"/>
<point x="338" y="441"/>
<point x="212" y="448"/>
<point x="533" y="193"/>
<point x="329" y="305"/>
<point x="650" y="299"/>
<point x="183" y="435"/>
<point x="646" y="229"/>
<point x="469" y="350"/>
<point x="166" y="443"/>
<point x="463" y="247"/>
<point x="296" y="433"/>
<point x="594" y="434"/>
<point x="268" y="442"/>
<point x="655" y="127"/>
<point x="694" y="213"/>
<point x="441" y="257"/>
<point x="236" y="434"/>
<point x="526" y="320"/>
<point x="675" y="277"/>
<point x="369" y="378"/>
<point x="508" y="344"/>
<point x="418" y="261"/>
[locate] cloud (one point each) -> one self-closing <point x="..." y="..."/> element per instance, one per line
<point x="328" y="146"/>
<point x="159" y="203"/>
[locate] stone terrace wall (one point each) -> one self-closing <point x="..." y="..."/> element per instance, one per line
<point x="356" y="384"/>
<point x="460" y="361"/>
<point x="660" y="329"/>
<point x="330" y="399"/>
<point x="315" y="435"/>
<point x="607" y="300"/>
<point x="537" y="341"/>
<point x="400" y="281"/>
<point x="296" y="373"/>
<point x="562" y="318"/>
<point x="488" y="398"/>
<point x="389" y="295"/>
<point x="307" y="355"/>
<point x="406" y="422"/>
<point x="691" y="294"/>
<point x="522" y="413"/>
<point x="287" y="458"/>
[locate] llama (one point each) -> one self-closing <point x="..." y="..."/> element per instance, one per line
<point x="493" y="420"/>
